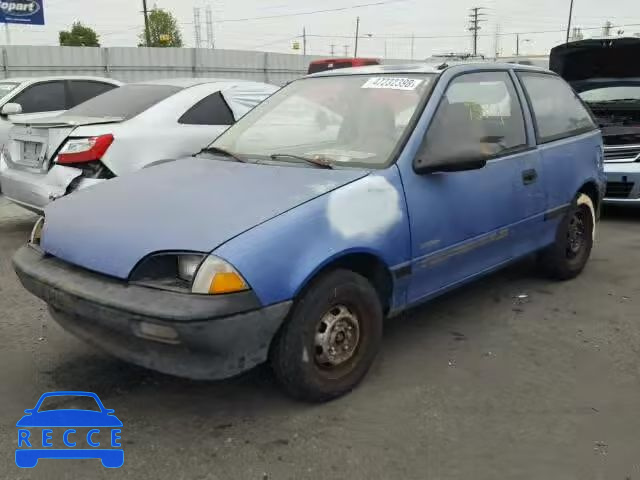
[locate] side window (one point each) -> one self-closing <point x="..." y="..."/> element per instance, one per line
<point x="212" y="110"/>
<point x="82" y="90"/>
<point x="42" y="97"/>
<point x="479" y="112"/>
<point x="557" y="110"/>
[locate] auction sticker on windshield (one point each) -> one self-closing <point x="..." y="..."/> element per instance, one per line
<point x="395" y="83"/>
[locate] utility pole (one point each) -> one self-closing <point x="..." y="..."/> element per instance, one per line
<point x="517" y="44"/>
<point x="355" y="51"/>
<point x="333" y="49"/>
<point x="606" y="29"/>
<point x="147" y="33"/>
<point x="304" y="41"/>
<point x="569" y="21"/>
<point x="475" y="18"/>
<point x="346" y="50"/>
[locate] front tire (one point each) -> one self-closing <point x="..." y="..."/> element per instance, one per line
<point x="567" y="257"/>
<point x="330" y="339"/>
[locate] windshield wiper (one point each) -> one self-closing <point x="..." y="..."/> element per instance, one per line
<point x="222" y="151"/>
<point x="320" y="162"/>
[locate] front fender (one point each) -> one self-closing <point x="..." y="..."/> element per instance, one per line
<point x="279" y="257"/>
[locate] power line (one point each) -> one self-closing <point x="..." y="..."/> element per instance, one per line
<point x="435" y="37"/>
<point x="313" y="12"/>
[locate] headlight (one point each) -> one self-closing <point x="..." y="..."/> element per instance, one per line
<point x="189" y="272"/>
<point x="215" y="276"/>
<point x="187" y="266"/>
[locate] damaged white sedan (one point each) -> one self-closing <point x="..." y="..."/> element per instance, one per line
<point x="122" y="131"/>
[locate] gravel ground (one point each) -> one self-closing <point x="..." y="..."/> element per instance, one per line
<point x="478" y="384"/>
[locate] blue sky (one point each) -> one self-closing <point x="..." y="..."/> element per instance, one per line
<point x="390" y="26"/>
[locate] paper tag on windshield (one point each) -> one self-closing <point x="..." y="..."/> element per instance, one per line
<point x="395" y="83"/>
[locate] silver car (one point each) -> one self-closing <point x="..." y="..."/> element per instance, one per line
<point x="24" y="98"/>
<point x="122" y="131"/>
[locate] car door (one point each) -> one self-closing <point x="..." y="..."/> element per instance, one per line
<point x="464" y="223"/>
<point x="560" y="118"/>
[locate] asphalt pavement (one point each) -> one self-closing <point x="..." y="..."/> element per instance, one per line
<point x="511" y="377"/>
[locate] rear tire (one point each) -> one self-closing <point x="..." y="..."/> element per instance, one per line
<point x="330" y="339"/>
<point x="567" y="257"/>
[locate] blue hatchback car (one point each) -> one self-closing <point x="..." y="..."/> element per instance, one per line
<point x="346" y="197"/>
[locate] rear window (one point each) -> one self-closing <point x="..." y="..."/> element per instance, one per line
<point x="126" y="102"/>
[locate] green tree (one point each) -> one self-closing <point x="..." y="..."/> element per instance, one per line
<point x="79" y="36"/>
<point x="163" y="30"/>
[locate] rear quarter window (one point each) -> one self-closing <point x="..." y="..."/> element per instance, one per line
<point x="125" y="102"/>
<point x="211" y="110"/>
<point x="557" y="110"/>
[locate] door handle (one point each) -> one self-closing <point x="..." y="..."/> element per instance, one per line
<point x="529" y="176"/>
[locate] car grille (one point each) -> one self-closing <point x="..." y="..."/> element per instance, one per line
<point x="618" y="189"/>
<point x="622" y="153"/>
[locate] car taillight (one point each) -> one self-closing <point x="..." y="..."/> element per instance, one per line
<point x="82" y="150"/>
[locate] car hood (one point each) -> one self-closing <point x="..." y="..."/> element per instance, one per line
<point x="69" y="418"/>
<point x="597" y="58"/>
<point x="193" y="204"/>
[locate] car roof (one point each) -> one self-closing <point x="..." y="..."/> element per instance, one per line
<point x="425" y="68"/>
<point x="193" y="82"/>
<point x="58" y="77"/>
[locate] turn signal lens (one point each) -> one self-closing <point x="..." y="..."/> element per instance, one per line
<point x="227" y="282"/>
<point x="36" y="232"/>
<point x="216" y="276"/>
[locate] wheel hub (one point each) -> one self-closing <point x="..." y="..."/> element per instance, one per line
<point x="575" y="234"/>
<point x="337" y="337"/>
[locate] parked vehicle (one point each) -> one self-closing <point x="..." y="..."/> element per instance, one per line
<point x="606" y="74"/>
<point x="345" y="198"/>
<point x="120" y="132"/>
<point x="318" y="66"/>
<point x="25" y="98"/>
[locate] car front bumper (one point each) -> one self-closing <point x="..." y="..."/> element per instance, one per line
<point x="623" y="183"/>
<point x="187" y="335"/>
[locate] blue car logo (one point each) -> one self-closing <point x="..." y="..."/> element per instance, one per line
<point x="68" y="433"/>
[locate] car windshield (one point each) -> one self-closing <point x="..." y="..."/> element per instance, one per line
<point x="350" y="120"/>
<point x="613" y="94"/>
<point x="6" y="87"/>
<point x="66" y="402"/>
<point x="125" y="102"/>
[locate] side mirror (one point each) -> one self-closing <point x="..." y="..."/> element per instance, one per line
<point x="109" y="411"/>
<point x="11" y="109"/>
<point x="29" y="410"/>
<point x="456" y="158"/>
